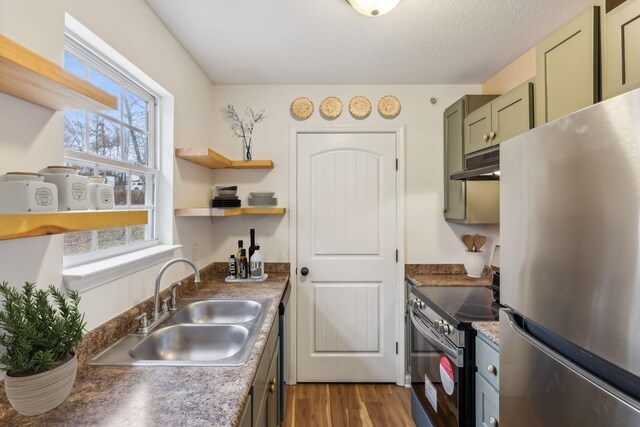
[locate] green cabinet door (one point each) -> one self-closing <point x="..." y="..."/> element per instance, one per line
<point x="454" y="190"/>
<point x="568" y="67"/>
<point x="477" y="127"/>
<point x="622" y="49"/>
<point x="512" y="113"/>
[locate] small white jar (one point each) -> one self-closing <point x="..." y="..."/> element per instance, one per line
<point x="22" y="192"/>
<point x="474" y="263"/>
<point x="100" y="194"/>
<point x="73" y="189"/>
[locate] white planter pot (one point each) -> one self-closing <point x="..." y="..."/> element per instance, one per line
<point x="474" y="263"/>
<point x="39" y="393"/>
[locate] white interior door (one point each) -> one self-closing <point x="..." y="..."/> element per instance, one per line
<point x="347" y="239"/>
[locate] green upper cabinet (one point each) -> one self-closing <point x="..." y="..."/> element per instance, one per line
<point x="621" y="71"/>
<point x="501" y="119"/>
<point x="568" y="67"/>
<point x="512" y="113"/>
<point x="477" y="127"/>
<point x="454" y="190"/>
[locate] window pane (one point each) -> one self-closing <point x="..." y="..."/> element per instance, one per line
<point x="111" y="237"/>
<point x="108" y="85"/>
<point x="105" y="137"/>
<point x="75" y="66"/>
<point x="75" y="130"/>
<point x="118" y="179"/>
<point x="134" y="111"/>
<point x="142" y="189"/>
<point x="135" y="147"/>
<point x="138" y="233"/>
<point x="79" y="242"/>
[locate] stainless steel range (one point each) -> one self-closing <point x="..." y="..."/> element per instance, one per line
<point x="442" y="352"/>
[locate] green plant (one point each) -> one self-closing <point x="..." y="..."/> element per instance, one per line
<point x="36" y="334"/>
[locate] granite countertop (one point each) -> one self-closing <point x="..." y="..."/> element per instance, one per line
<point x="445" y="275"/>
<point x="490" y="330"/>
<point x="145" y="396"/>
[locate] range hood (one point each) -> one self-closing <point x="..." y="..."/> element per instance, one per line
<point x="485" y="166"/>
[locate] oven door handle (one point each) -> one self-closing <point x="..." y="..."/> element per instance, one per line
<point x="429" y="336"/>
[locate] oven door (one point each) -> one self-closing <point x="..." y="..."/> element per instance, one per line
<point x="436" y="367"/>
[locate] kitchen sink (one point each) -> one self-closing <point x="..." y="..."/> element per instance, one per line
<point x="192" y="342"/>
<point x="219" y="311"/>
<point x="202" y="332"/>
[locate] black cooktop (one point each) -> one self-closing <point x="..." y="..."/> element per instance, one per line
<point x="459" y="304"/>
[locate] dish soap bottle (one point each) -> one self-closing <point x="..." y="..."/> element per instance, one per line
<point x="257" y="264"/>
<point x="244" y="265"/>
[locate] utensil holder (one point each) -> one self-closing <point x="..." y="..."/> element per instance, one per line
<point x="474" y="263"/>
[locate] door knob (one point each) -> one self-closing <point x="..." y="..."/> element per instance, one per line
<point x="304" y="271"/>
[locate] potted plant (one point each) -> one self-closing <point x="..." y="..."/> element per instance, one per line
<point x="40" y="331"/>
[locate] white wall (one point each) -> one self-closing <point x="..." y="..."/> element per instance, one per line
<point x="31" y="136"/>
<point x="429" y="239"/>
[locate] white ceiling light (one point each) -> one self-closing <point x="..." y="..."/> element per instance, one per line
<point x="373" y="7"/>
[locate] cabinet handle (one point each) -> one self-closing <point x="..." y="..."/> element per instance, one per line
<point x="272" y="386"/>
<point x="445" y="210"/>
<point x="492" y="135"/>
<point x="485" y="136"/>
<point x="492" y="369"/>
<point x="493" y="422"/>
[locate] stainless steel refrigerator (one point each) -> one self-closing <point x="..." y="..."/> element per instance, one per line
<point x="570" y="249"/>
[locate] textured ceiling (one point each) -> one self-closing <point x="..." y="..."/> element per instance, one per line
<point x="327" y="42"/>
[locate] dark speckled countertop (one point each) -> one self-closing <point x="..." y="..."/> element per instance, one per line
<point x="490" y="330"/>
<point x="445" y="275"/>
<point x="149" y="396"/>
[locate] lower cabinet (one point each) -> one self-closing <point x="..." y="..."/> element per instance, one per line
<point x="487" y="383"/>
<point x="263" y="402"/>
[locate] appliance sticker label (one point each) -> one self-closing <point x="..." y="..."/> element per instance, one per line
<point x="44" y="196"/>
<point x="78" y="191"/>
<point x="446" y="375"/>
<point x="430" y="393"/>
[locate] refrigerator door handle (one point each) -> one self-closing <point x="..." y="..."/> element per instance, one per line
<point x="433" y="340"/>
<point x="569" y="364"/>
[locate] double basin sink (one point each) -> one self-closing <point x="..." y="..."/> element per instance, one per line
<point x="201" y="332"/>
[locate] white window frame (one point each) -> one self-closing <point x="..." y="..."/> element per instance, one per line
<point x="93" y="273"/>
<point x="111" y="70"/>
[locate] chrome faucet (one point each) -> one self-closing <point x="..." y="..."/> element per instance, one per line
<point x="158" y="316"/>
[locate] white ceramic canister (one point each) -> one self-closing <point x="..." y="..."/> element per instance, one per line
<point x="73" y="189"/>
<point x="100" y="194"/>
<point x="22" y="192"/>
<point x="473" y="263"/>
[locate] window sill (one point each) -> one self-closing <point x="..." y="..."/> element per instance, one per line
<point x="91" y="275"/>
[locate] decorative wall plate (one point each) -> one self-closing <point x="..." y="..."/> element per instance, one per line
<point x="330" y="107"/>
<point x="360" y="107"/>
<point x="302" y="108"/>
<point x="389" y="107"/>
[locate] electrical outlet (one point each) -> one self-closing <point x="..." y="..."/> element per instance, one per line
<point x="195" y="252"/>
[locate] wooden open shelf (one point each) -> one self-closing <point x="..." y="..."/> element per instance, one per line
<point x="211" y="159"/>
<point x="16" y="226"/>
<point x="229" y="212"/>
<point x="29" y="76"/>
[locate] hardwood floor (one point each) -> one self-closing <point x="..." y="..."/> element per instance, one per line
<point x="348" y="405"/>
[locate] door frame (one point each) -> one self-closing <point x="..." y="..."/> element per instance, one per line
<point x="292" y="319"/>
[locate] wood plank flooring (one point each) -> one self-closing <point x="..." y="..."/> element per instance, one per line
<point x="348" y="405"/>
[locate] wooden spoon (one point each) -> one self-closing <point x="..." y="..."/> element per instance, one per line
<point x="478" y="241"/>
<point x="467" y="239"/>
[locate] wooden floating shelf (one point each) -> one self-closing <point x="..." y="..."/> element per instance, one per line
<point x="211" y="159"/>
<point x="229" y="212"/>
<point x="29" y="76"/>
<point x="16" y="226"/>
